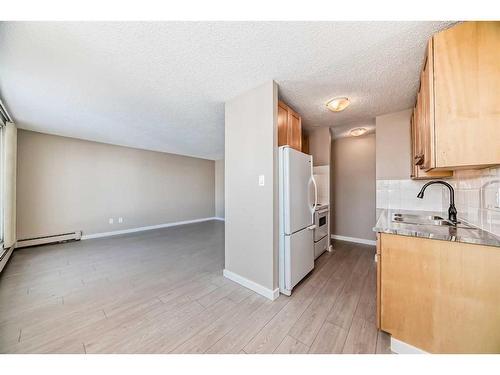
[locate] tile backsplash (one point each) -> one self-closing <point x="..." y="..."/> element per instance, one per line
<point x="477" y="195"/>
<point x="402" y="194"/>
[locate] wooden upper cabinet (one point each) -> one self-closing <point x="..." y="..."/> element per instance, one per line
<point x="305" y="142"/>
<point x="427" y="121"/>
<point x="295" y="126"/>
<point x="422" y="128"/>
<point x="282" y="124"/>
<point x="467" y="95"/>
<point x="417" y="173"/>
<point x="456" y="120"/>
<point x="289" y="127"/>
<point x="419" y="156"/>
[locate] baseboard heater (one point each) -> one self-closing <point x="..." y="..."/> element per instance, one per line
<point x="4" y="257"/>
<point x="45" y="240"/>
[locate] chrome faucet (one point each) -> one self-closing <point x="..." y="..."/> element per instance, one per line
<point x="452" y="211"/>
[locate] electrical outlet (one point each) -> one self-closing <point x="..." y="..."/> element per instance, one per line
<point x="111" y="221"/>
<point x="120" y="219"/>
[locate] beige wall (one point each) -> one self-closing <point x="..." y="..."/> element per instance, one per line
<point x="251" y="236"/>
<point x="67" y="184"/>
<point x="395" y="188"/>
<point x="353" y="171"/>
<point x="393" y="146"/>
<point x="319" y="145"/>
<point x="219" y="188"/>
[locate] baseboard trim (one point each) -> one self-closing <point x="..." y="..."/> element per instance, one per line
<point x="354" y="239"/>
<point x="142" y="229"/>
<point x="401" y="347"/>
<point x="219" y="218"/>
<point x="252" y="285"/>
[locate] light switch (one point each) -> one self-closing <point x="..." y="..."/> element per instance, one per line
<point x="111" y="221"/>
<point x="261" y="180"/>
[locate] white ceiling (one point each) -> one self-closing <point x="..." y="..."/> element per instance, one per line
<point x="162" y="85"/>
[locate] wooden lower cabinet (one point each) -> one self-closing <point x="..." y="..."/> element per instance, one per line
<point x="439" y="296"/>
<point x="379" y="273"/>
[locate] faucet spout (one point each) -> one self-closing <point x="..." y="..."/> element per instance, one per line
<point x="452" y="211"/>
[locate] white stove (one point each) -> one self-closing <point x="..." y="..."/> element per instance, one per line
<point x="321" y="230"/>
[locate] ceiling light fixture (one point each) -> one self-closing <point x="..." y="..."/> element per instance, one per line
<point x="337" y="104"/>
<point x="357" y="132"/>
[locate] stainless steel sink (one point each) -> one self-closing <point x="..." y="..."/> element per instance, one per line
<point x="427" y="220"/>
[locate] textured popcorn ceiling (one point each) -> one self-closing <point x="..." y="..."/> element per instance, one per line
<point x="162" y="85"/>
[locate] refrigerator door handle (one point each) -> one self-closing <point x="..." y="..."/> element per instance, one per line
<point x="315" y="194"/>
<point x="311" y="227"/>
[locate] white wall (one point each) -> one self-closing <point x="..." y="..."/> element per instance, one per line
<point x="251" y="211"/>
<point x="219" y="188"/>
<point x="66" y="184"/>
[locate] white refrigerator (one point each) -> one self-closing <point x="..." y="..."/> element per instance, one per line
<point x="297" y="201"/>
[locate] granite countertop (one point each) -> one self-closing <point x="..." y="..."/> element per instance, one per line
<point x="470" y="234"/>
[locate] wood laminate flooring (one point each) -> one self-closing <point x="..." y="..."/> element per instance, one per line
<point x="162" y="291"/>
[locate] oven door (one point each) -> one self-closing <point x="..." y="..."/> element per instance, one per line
<point x="321" y="221"/>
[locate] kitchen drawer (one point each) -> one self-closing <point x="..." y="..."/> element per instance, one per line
<point x="320" y="246"/>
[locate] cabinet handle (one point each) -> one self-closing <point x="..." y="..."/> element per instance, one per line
<point x="419" y="159"/>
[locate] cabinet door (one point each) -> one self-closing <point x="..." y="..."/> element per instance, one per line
<point x="305" y="143"/>
<point x="289" y="127"/>
<point x="422" y="128"/>
<point x="416" y="172"/>
<point x="419" y="153"/>
<point x="294" y="130"/>
<point x="427" y="116"/>
<point x="413" y="125"/>
<point x="440" y="296"/>
<point x="409" y="280"/>
<point x="282" y="124"/>
<point x="379" y="278"/>
<point x="467" y="95"/>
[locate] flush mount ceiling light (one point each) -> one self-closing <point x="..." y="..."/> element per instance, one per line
<point x="357" y="132"/>
<point x="337" y="104"/>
